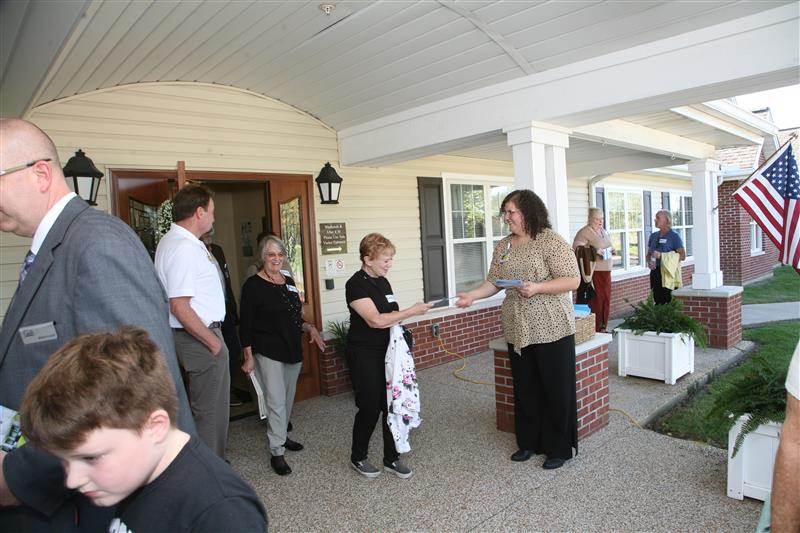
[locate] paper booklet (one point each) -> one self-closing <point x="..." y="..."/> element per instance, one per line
<point x="262" y="401"/>
<point x="505" y="283"/>
<point x="10" y="433"/>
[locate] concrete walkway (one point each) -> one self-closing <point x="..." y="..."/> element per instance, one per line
<point x="624" y="479"/>
<point x="757" y="314"/>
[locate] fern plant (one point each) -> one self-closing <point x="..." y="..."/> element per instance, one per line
<point x="664" y="318"/>
<point x="759" y="393"/>
<point x="339" y="330"/>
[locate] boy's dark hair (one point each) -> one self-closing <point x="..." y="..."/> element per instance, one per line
<point x="188" y="199"/>
<point x="97" y="380"/>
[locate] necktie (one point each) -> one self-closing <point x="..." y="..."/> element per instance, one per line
<point x="26" y="265"/>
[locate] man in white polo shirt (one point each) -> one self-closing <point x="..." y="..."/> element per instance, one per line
<point x="197" y="308"/>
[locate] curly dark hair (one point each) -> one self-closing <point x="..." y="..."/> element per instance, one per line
<point x="534" y="212"/>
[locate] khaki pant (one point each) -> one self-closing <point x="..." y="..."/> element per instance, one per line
<point x="280" y="381"/>
<point x="208" y="386"/>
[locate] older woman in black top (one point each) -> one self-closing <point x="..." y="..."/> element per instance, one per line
<point x="373" y="310"/>
<point x="271" y="326"/>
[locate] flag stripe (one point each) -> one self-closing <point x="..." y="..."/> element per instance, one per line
<point x="771" y="195"/>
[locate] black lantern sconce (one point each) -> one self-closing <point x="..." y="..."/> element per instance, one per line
<point x="329" y="183"/>
<point x="85" y="176"/>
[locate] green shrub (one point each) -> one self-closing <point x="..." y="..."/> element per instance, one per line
<point x="339" y="330"/>
<point x="664" y="318"/>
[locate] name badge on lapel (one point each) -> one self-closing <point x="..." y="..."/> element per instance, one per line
<point x="292" y="288"/>
<point x="45" y="331"/>
<point x="390" y="298"/>
<point x="662" y="241"/>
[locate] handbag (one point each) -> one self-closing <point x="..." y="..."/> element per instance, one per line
<point x="586" y="256"/>
<point x="585" y="292"/>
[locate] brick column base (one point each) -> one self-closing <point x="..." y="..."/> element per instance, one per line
<point x="591" y="384"/>
<point x="719" y="310"/>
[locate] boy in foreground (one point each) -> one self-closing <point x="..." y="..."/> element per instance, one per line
<point x="106" y="406"/>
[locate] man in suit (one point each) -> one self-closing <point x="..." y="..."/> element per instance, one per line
<point x="86" y="271"/>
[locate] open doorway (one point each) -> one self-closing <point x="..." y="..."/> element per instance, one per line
<point x="245" y="205"/>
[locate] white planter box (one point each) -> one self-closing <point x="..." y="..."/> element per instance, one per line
<point x="665" y="356"/>
<point x="750" y="472"/>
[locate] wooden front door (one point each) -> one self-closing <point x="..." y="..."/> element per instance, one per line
<point x="138" y="194"/>
<point x="290" y="210"/>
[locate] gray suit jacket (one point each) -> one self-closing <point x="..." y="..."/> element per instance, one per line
<point x="92" y="273"/>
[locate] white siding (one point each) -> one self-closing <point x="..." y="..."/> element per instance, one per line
<point x="152" y="126"/>
<point x="211" y="127"/>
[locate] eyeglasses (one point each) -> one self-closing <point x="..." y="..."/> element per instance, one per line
<point x="508" y="212"/>
<point x="3" y="172"/>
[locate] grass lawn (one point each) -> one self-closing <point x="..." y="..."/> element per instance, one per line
<point x="783" y="287"/>
<point x="690" y="421"/>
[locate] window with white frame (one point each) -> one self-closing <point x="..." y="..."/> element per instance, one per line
<point x="683" y="219"/>
<point x="475" y="226"/>
<point x="756" y="238"/>
<point x="624" y="222"/>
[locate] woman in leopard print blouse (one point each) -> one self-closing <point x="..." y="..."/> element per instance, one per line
<point x="539" y="326"/>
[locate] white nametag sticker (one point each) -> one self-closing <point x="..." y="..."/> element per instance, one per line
<point x="390" y="298"/>
<point x="285" y="273"/>
<point x="38" y="333"/>
<point x="662" y="241"/>
<point x="292" y="288"/>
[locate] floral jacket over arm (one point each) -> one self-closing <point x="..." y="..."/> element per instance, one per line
<point x="402" y="391"/>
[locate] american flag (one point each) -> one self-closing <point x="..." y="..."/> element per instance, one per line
<point x="771" y="196"/>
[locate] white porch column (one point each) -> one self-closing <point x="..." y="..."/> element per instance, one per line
<point x="540" y="165"/>
<point x="707" y="273"/>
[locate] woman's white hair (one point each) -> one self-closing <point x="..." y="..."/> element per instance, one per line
<point x="593" y="212"/>
<point x="264" y="244"/>
<point x="667" y="216"/>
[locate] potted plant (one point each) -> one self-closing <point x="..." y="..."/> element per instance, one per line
<point x="657" y="341"/>
<point x="338" y="330"/>
<point x="755" y="405"/>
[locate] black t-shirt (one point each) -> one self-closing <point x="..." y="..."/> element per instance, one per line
<point x="197" y="492"/>
<point x="362" y="285"/>
<point x="271" y="319"/>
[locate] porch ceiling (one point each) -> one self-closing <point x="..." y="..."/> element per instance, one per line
<point x="364" y="61"/>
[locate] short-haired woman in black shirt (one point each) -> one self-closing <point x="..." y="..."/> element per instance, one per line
<point x="271" y="327"/>
<point x="373" y="310"/>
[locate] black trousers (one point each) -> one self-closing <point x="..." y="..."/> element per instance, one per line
<point x="368" y="374"/>
<point x="545" y="405"/>
<point x="660" y="294"/>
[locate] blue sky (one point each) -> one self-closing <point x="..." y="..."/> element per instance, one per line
<point x="784" y="104"/>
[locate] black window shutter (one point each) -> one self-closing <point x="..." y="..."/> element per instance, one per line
<point x="648" y="213"/>
<point x="665" y="201"/>
<point x="600" y="202"/>
<point x="434" y="245"/>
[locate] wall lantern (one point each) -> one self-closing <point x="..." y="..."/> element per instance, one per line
<point x="329" y="184"/>
<point x="85" y="176"/>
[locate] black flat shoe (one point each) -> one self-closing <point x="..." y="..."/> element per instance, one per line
<point x="293" y="446"/>
<point x="289" y="427"/>
<point x="522" y="455"/>
<point x="280" y="466"/>
<point x="552" y="463"/>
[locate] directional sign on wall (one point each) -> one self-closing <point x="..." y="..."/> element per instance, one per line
<point x="333" y="236"/>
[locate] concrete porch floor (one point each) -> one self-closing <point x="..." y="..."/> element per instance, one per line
<point x="624" y="478"/>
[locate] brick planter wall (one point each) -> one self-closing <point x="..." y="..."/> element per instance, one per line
<point x="637" y="289"/>
<point x="463" y="333"/>
<point x="737" y="265"/>
<point x="719" y="310"/>
<point x="591" y="367"/>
